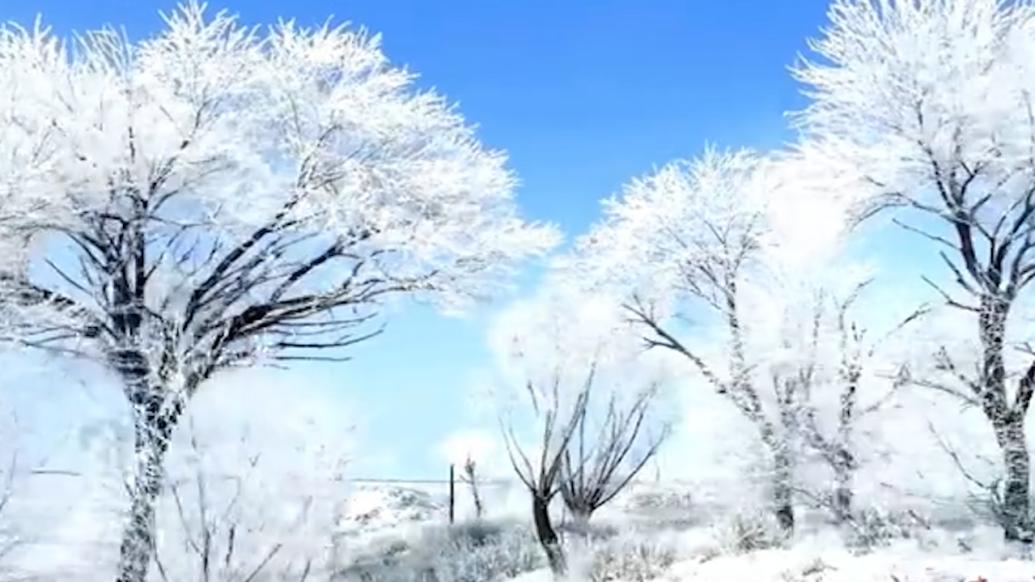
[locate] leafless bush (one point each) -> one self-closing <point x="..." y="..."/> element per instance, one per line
<point x="745" y="532"/>
<point x="598" y="467"/>
<point x="630" y="559"/>
<point x="874" y="528"/>
<point x="479" y="551"/>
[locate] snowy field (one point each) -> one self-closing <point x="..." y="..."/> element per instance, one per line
<point x="656" y="533"/>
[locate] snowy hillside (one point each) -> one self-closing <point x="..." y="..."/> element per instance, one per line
<point x="373" y="509"/>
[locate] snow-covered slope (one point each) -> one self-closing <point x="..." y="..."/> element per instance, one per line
<point x="375" y="508"/>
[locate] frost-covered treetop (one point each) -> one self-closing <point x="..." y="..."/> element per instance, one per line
<point x="686" y="220"/>
<point x="701" y="227"/>
<point x="216" y="168"/>
<point x="928" y="99"/>
<point x="212" y="122"/>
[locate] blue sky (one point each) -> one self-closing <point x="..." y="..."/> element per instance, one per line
<point x="582" y="94"/>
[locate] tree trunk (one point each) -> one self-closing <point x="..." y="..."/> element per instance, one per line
<point x="782" y="477"/>
<point x="546" y="534"/>
<point x="478" y="509"/>
<point x="1016" y="501"/>
<point x="783" y="506"/>
<point x="1008" y="424"/>
<point x="155" y="415"/>
<point x="580" y="521"/>
<point x="843" y="493"/>
<point x="138" y="536"/>
<point x="783" y="496"/>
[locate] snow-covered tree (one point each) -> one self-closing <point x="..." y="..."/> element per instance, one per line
<point x="930" y="103"/>
<point x="745" y="249"/>
<point x="215" y="195"/>
<point x="690" y="236"/>
<point x="842" y="374"/>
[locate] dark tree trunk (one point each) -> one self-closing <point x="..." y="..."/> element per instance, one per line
<point x="783" y="507"/>
<point x="546" y="534"/>
<point x="1016" y="501"/>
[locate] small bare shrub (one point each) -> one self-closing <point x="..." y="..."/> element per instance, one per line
<point x="630" y="559"/>
<point x="748" y="532"/>
<point x="875" y="528"/>
<point x="478" y="551"/>
<point x="660" y="500"/>
<point x="671" y="508"/>
<point x="475" y="553"/>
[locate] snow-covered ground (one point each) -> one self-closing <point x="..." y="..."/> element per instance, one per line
<point x="655" y="533"/>
<point x="792" y="565"/>
<point x="803" y="564"/>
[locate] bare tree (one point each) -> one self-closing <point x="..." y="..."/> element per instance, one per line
<point x="556" y="413"/>
<point x="24" y="491"/>
<point x="211" y="198"/>
<point x="212" y="540"/>
<point x="990" y="499"/>
<point x="472" y="481"/>
<point x="852" y="365"/>
<point x="930" y="103"/>
<point x="599" y="466"/>
<point x="228" y="520"/>
<point x="743" y="393"/>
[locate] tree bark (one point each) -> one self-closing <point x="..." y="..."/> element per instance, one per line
<point x="155" y="415"/>
<point x="1007" y="422"/>
<point x="843" y="493"/>
<point x="580" y="520"/>
<point x="1016" y="501"/>
<point x="782" y="483"/>
<point x="783" y="506"/>
<point x="138" y="536"/>
<point x="546" y="534"/>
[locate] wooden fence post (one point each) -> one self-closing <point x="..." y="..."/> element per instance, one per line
<point x="452" y="495"/>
